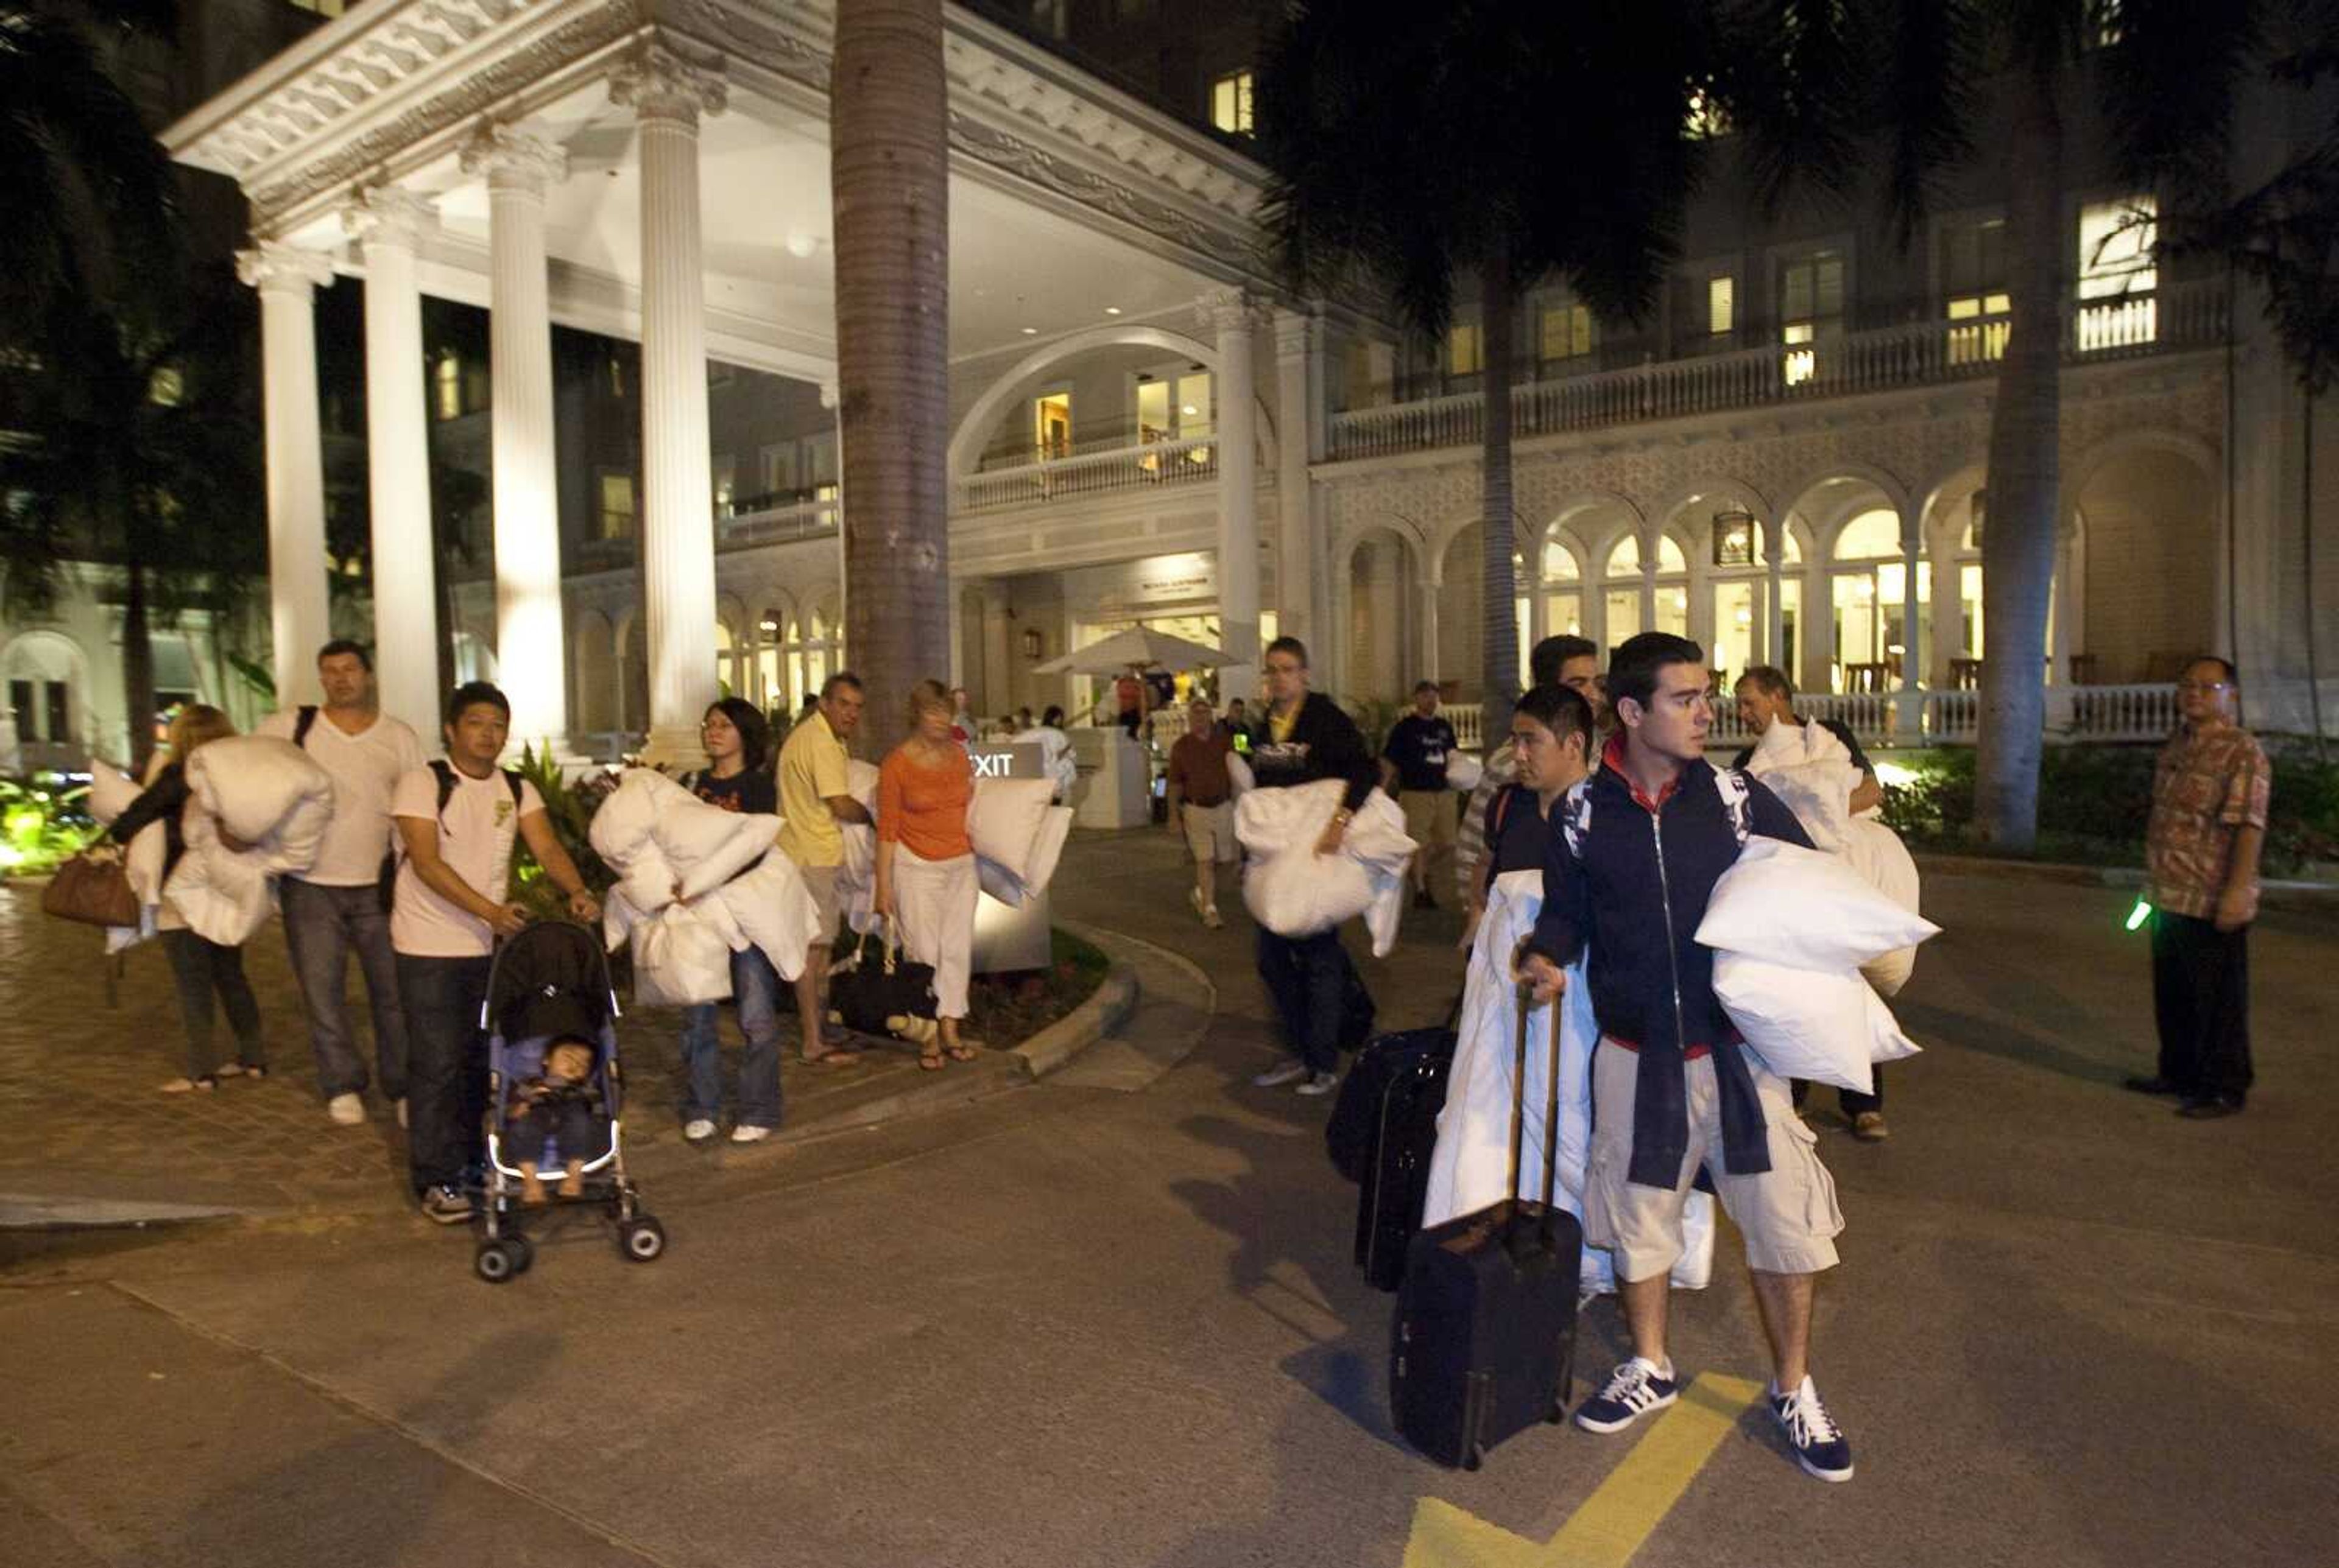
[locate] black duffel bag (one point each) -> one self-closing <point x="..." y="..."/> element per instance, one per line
<point x="877" y="986"/>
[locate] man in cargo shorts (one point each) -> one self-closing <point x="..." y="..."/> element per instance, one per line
<point x="1672" y="1088"/>
<point x="1202" y="805"/>
<point x="815" y="795"/>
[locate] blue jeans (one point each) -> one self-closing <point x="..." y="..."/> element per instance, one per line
<point x="322" y="925"/>
<point x="756" y="986"/>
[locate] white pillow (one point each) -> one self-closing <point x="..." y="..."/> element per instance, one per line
<point x="269" y="793"/>
<point x="1827" y="1028"/>
<point x="1238" y="775"/>
<point x="1048" y="848"/>
<point x="1004" y="818"/>
<point x="1795" y="906"/>
<point x="1464" y="770"/>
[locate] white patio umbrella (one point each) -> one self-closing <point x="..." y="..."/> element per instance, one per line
<point x="1138" y="647"/>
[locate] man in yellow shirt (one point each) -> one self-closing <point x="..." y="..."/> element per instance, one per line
<point x="815" y="796"/>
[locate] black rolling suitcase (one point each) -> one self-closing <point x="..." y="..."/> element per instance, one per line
<point x="1484" y="1337"/>
<point x="1354" y="1133"/>
<point x="1396" y="1174"/>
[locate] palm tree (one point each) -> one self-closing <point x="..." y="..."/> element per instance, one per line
<point x="89" y="195"/>
<point x="144" y="460"/>
<point x="888" y="162"/>
<point x="1506" y="140"/>
<point x="2162" y="73"/>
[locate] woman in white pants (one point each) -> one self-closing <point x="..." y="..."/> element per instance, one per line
<point x="925" y="862"/>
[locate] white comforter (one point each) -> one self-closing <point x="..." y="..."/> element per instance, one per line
<point x="1812" y="771"/>
<point x="270" y="794"/>
<point x="1294" y="892"/>
<point x="1470" y="1169"/>
<point x="111" y="792"/>
<point x="696" y="883"/>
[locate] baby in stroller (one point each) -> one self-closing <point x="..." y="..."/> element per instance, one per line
<point x="562" y="1106"/>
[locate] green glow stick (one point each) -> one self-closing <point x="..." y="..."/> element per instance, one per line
<point x="2139" y="914"/>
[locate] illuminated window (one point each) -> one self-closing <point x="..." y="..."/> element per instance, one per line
<point x="1230" y="103"/>
<point x="1973" y="287"/>
<point x="2117" y="274"/>
<point x="1563" y="332"/>
<point x="614" y="519"/>
<point x="1721" y="306"/>
<point x="320" y="7"/>
<point x="166" y="387"/>
<point x="726" y="483"/>
<point x="1811" y="308"/>
<point x="1051" y="424"/>
<point x="1464" y="349"/>
<point x="447" y="387"/>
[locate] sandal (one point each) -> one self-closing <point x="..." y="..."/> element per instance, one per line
<point x="204" y="1085"/>
<point x="930" y="1060"/>
<point x="833" y="1057"/>
<point x="959" y="1053"/>
<point x="240" y="1069"/>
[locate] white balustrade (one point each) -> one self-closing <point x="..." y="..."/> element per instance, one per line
<point x="1952" y="715"/>
<point x="1867" y="713"/>
<point x="1469" y="722"/>
<point x="2134" y="713"/>
<point x="1916" y="354"/>
<point x="776" y="525"/>
<point x="1089" y="473"/>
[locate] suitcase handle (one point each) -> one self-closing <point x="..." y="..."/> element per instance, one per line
<point x="1527" y="1005"/>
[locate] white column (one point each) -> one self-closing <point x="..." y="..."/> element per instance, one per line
<point x="668" y="95"/>
<point x="1228" y="314"/>
<point x="1774" y="606"/>
<point x="1428" y="668"/>
<point x="1296" y="590"/>
<point x="530" y="644"/>
<point x="299" y="615"/>
<point x="388" y="225"/>
<point x="1908" y="702"/>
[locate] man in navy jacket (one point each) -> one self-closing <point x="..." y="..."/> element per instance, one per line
<point x="1673" y="1089"/>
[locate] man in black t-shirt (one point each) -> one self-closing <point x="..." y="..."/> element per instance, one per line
<point x="1413" y="767"/>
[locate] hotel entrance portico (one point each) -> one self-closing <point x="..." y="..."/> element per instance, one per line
<point x="657" y="171"/>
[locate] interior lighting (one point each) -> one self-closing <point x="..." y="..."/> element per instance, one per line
<point x="1030" y="331"/>
<point x="802" y="246"/>
<point x="1188" y="410"/>
<point x="1733" y="538"/>
<point x="1112" y="310"/>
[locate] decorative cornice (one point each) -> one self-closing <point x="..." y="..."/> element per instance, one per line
<point x="514" y="160"/>
<point x="1296" y="333"/>
<point x="658" y="83"/>
<point x="487" y="87"/>
<point x="273" y="267"/>
<point x="1224" y="311"/>
<point x="1014" y="155"/>
<point x="386" y="215"/>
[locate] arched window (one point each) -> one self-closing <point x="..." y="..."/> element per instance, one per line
<point x="1563" y="602"/>
<point x="815" y="650"/>
<point x="726" y="659"/>
<point x="1869" y="593"/>
<point x="1622" y="589"/>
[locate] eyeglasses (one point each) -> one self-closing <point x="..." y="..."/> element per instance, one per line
<point x="2203" y="685"/>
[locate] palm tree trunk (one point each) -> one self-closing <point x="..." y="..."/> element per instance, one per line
<point x="1498" y="647"/>
<point x="2017" y="546"/>
<point x="137" y="666"/>
<point x="888" y="160"/>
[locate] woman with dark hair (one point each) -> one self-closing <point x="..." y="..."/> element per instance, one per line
<point x="737" y="778"/>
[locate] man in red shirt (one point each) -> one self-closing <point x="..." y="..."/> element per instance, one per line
<point x="1202" y="805"/>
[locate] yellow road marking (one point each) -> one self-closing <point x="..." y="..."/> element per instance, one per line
<point x="1621" y="1513"/>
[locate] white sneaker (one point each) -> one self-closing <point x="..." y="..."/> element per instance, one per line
<point x="401" y="1110"/>
<point x="743" y="1133"/>
<point x="1194" y="897"/>
<point x="346" y="1109"/>
<point x="698" y="1130"/>
<point x="1319" y="1083"/>
<point x="1211" y="918"/>
<point x="1278" y="1075"/>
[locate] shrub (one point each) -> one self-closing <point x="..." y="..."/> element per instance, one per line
<point x="569" y="805"/>
<point x="43" y="822"/>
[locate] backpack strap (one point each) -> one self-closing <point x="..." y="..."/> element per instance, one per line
<point x="445" y="772"/>
<point x="303" y="720"/>
<point x="1498" y="809"/>
<point x="1575" y="815"/>
<point x="1730" y="784"/>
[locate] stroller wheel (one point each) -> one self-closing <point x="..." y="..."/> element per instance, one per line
<point x="641" y="1239"/>
<point x="497" y="1261"/>
<point x="523" y="1253"/>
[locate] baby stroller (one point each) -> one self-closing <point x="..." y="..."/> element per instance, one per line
<point x="552" y="981"/>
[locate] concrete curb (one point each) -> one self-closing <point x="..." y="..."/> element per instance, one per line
<point x="2320" y="896"/>
<point x="1107" y="1008"/>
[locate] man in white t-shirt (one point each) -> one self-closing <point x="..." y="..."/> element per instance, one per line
<point x="340" y="903"/>
<point x="457" y="822"/>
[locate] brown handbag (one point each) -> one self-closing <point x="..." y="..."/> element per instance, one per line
<point x="91" y="891"/>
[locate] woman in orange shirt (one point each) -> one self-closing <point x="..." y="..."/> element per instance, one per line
<point x="925" y="862"/>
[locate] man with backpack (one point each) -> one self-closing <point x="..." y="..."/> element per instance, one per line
<point x="1640" y="845"/>
<point x="341" y="903"/>
<point x="457" y="820"/>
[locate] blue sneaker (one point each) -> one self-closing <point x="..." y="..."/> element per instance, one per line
<point x="1633" y="1390"/>
<point x="1820" y="1444"/>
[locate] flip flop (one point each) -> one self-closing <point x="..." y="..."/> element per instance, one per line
<point x="833" y="1057"/>
<point x="929" y="1061"/>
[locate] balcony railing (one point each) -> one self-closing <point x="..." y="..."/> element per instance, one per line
<point x="775" y="520"/>
<point x="1923" y="353"/>
<point x="1091" y="473"/>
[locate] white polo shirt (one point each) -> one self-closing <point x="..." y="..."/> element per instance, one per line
<point x="365" y="767"/>
<point x="476" y="833"/>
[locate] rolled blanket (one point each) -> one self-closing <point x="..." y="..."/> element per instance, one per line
<point x="1294" y="892"/>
